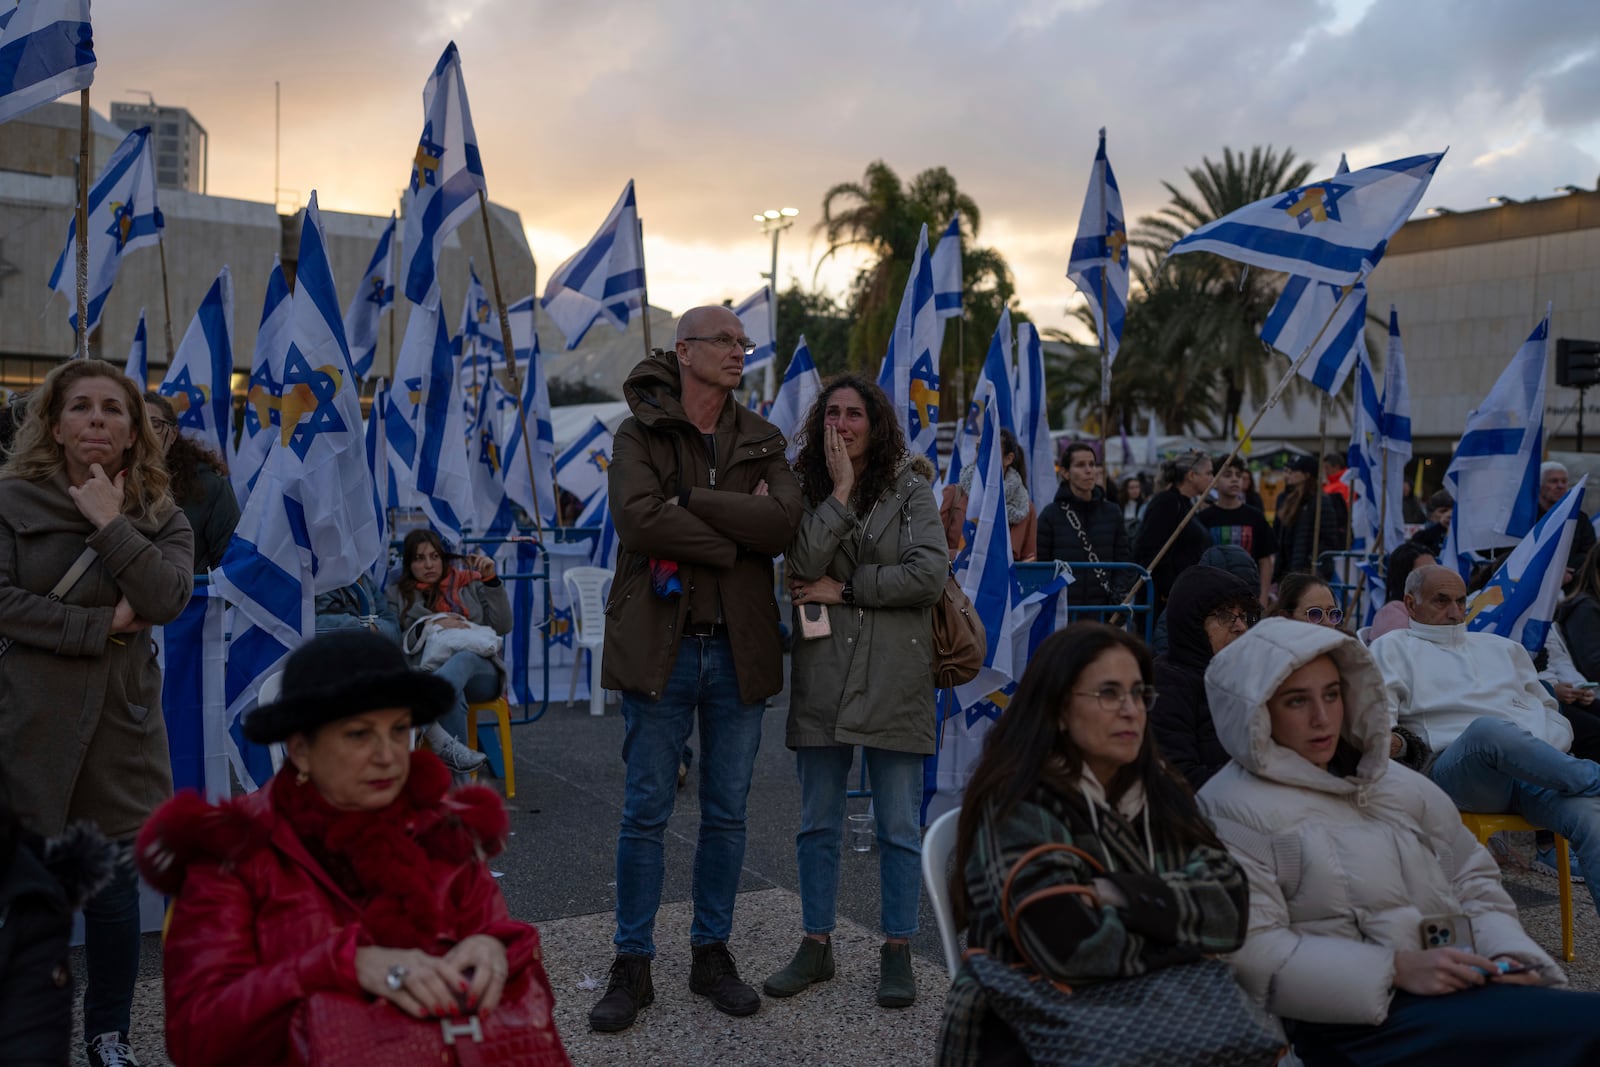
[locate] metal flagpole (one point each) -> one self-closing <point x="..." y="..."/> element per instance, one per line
<point x="1105" y="359"/>
<point x="1322" y="450"/>
<point x="85" y="171"/>
<point x="511" y="357"/>
<point x="166" y="297"/>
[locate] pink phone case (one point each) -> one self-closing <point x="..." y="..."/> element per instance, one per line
<point x="814" y="621"/>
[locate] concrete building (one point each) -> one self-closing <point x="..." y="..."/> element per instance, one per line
<point x="180" y="144"/>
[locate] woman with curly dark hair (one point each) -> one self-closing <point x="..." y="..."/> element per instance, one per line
<point x="865" y="569"/>
<point x="199" y="484"/>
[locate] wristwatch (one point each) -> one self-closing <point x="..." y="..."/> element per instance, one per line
<point x="847" y="592"/>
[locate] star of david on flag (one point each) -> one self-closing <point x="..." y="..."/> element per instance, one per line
<point x="446" y="176"/>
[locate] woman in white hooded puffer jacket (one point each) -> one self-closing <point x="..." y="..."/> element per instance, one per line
<point x="1348" y="856"/>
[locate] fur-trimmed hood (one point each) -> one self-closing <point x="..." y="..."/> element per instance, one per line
<point x="77" y="865"/>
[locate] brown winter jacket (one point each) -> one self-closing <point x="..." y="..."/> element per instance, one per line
<point x="723" y="539"/>
<point x="81" y="733"/>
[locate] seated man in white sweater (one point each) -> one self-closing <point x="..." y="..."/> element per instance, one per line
<point x="1499" y="740"/>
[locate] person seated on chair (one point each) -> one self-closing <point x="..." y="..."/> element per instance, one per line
<point x="1307" y="598"/>
<point x="357" y="606"/>
<point x="431" y="584"/>
<point x="354" y="875"/>
<point x="1501" y="743"/>
<point x="1393" y="614"/>
<point x="1378" y="924"/>
<point x="1147" y="884"/>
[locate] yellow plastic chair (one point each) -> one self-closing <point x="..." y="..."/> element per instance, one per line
<point x="1484" y="827"/>
<point x="501" y="709"/>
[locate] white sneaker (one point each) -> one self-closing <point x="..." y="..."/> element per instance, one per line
<point x="111" y="1049"/>
<point x="452" y="753"/>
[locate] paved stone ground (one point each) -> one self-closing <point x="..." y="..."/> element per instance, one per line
<point x="559" y="874"/>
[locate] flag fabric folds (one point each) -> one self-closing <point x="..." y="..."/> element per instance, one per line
<point x="1098" y="265"/>
<point x="123" y="217"/>
<point x="991" y="392"/>
<point x="523" y="486"/>
<point x="138" y="366"/>
<point x="1519" y="602"/>
<point x="796" y="394"/>
<point x="473" y="347"/>
<point x="756" y="316"/>
<point x="1031" y="408"/>
<point x="1363" y="472"/>
<point x="1333" y="231"/>
<point x="199" y="380"/>
<point x="377" y="452"/>
<point x="373" y="297"/>
<point x="603" y="279"/>
<point x="1396" y="436"/>
<point x="46" y="51"/>
<point x="1494" y="474"/>
<point x="265" y="411"/>
<point x="947" y="279"/>
<point x="446" y="176"/>
<point x="582" y="467"/>
<point x="1296" y="321"/>
<point x="425" y="424"/>
<point x="910" y="370"/>
<point x="983" y="564"/>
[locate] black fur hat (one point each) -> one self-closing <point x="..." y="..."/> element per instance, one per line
<point x="343" y="673"/>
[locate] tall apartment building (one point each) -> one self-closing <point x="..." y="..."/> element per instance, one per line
<point x="180" y="143"/>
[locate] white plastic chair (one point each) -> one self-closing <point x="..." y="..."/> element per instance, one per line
<point x="937" y="846"/>
<point x="586" y="587"/>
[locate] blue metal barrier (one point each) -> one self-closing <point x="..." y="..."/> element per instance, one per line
<point x="1030" y="576"/>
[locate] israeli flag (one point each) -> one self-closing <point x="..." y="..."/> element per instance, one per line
<point x="46" y="51"/>
<point x="138" y="366"/>
<point x="446" y="176"/>
<point x="1031" y="406"/>
<point x="1494" y="474"/>
<point x="583" y="467"/>
<point x="910" y="370"/>
<point x="1297" y="319"/>
<point x="607" y="544"/>
<point x="603" y="279"/>
<point x="383" y="490"/>
<point x="265" y="407"/>
<point x="1396" y="433"/>
<point x="992" y="390"/>
<point x="473" y="346"/>
<point x="309" y="527"/>
<point x="493" y="516"/>
<point x="1520" y="600"/>
<point x="373" y="297"/>
<point x="123" y="216"/>
<point x="756" y="315"/>
<point x="1365" y="458"/>
<point x="946" y="260"/>
<point x="983" y="565"/>
<point x="1333" y="231"/>
<point x="797" y="394"/>
<point x="199" y="379"/>
<point x="425" y="427"/>
<point x="1098" y="265"/>
<point x="522" y="485"/>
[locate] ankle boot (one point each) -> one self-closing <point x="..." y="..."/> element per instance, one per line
<point x="897" y="986"/>
<point x="629" y="990"/>
<point x="715" y="976"/>
<point x="813" y="962"/>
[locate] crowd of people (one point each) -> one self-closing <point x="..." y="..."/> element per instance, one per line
<point x="1259" y="782"/>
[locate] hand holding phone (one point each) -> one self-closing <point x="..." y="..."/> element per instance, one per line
<point x="814" y="621"/>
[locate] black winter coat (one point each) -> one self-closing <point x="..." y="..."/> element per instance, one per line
<point x="1579" y="619"/>
<point x="1167" y="509"/>
<point x="1103" y="525"/>
<point x="1181" y="717"/>
<point x="1295" y="552"/>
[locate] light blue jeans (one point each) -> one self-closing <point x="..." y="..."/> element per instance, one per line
<point x="1496" y="766"/>
<point x="702" y="684"/>
<point x="896" y="779"/>
<point x="473" y="677"/>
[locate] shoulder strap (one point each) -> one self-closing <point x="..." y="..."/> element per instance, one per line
<point x="63" y="587"/>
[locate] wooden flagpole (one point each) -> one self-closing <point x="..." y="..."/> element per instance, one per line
<point x="1322" y="450"/>
<point x="644" y="296"/>
<point x="166" y="298"/>
<point x="85" y="174"/>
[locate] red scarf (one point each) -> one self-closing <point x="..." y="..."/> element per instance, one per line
<point x="392" y="861"/>
<point x="446" y="595"/>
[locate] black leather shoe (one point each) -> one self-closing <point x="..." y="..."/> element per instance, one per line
<point x="714" y="975"/>
<point x="629" y="990"/>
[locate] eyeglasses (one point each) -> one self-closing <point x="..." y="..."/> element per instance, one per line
<point x="1112" y="697"/>
<point x="1333" y="616"/>
<point x="745" y="343"/>
<point x="162" y="425"/>
<point x="1228" y="618"/>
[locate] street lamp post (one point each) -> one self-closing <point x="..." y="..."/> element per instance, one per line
<point x="774" y="221"/>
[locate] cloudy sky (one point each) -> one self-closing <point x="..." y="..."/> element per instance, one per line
<point x="721" y="109"/>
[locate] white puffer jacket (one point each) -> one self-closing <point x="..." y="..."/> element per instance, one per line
<point x="1342" y="870"/>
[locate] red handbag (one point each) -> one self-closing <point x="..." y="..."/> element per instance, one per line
<point x="341" y="1030"/>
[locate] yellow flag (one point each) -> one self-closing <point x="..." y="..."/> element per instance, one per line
<point x="1244" y="440"/>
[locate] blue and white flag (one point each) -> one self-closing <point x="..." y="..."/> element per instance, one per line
<point x="756" y="314"/>
<point x="265" y="409"/>
<point x="492" y="512"/>
<point x="796" y="394"/>
<point x="1333" y="231"/>
<point x="474" y="349"/>
<point x="991" y="392"/>
<point x="1396" y="435"/>
<point x="523" y="486"/>
<point x="583" y="466"/>
<point x="603" y="279"/>
<point x="1031" y="406"/>
<point x="309" y="526"/>
<point x="1494" y="474"/>
<point x="1098" y="265"/>
<point x="983" y="563"/>
<point x="910" y="370"/>
<point x="199" y="381"/>
<point x="425" y="425"/>
<point x="373" y="297"/>
<point x="1520" y="600"/>
<point x="1364" y="470"/>
<point x="138" y="366"/>
<point x="383" y="491"/>
<point x="947" y="280"/>
<point x="46" y="51"/>
<point x="123" y="216"/>
<point x="446" y="176"/>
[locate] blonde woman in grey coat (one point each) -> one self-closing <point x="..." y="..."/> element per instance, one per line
<point x="867" y="565"/>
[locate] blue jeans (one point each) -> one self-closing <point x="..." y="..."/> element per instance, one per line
<point x="111" y="944"/>
<point x="474" y="678"/>
<point x="1496" y="766"/>
<point x="703" y="683"/>
<point x="896" y="779"/>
